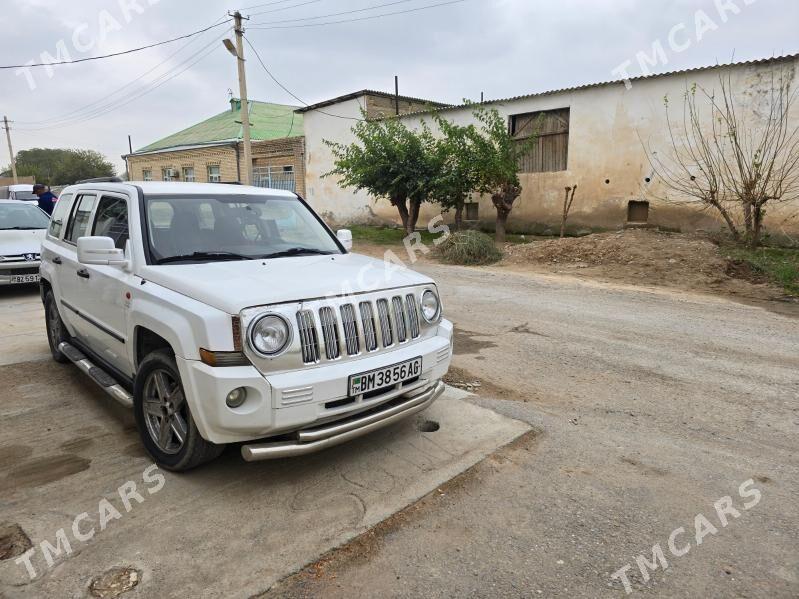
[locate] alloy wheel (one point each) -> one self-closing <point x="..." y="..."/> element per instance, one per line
<point x="165" y="411"/>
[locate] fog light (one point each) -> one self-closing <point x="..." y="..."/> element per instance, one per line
<point x="236" y="397"/>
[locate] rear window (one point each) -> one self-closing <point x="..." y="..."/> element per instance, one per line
<point x="25" y="196"/>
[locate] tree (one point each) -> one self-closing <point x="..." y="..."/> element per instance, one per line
<point x="568" y="200"/>
<point x="390" y="161"/>
<point x="57" y="166"/>
<point x="733" y="155"/>
<point x="498" y="155"/>
<point x="457" y="167"/>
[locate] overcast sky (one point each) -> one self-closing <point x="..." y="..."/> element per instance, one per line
<point x="455" y="51"/>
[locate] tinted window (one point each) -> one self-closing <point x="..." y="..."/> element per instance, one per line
<point x="111" y="220"/>
<point x="79" y="223"/>
<point x="60" y="214"/>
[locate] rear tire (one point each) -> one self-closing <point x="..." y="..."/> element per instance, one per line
<point x="56" y="331"/>
<point x="165" y="423"/>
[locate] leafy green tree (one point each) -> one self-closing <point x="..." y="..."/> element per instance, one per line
<point x="58" y="166"/>
<point x="458" y="167"/>
<point x="390" y="161"/>
<point x="498" y="155"/>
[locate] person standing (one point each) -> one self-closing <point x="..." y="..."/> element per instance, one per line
<point x="47" y="198"/>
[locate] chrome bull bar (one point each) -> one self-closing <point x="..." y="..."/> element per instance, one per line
<point x="316" y="439"/>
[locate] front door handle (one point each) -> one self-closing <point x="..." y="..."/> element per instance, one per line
<point x="56" y="260"/>
<point x="83" y="273"/>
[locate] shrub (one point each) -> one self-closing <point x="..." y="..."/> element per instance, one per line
<point x="469" y="247"/>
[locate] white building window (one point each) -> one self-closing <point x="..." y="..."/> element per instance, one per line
<point x="188" y="173"/>
<point x="214" y="175"/>
<point x="166" y="174"/>
<point x="147" y="175"/>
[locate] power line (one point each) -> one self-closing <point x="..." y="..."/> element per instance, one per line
<point x="50" y="64"/>
<point x="337" y="14"/>
<point x="264" y="4"/>
<point x="288" y="91"/>
<point x="64" y="117"/>
<point x="101" y="111"/>
<point x="263" y="12"/>
<point x="388" y="14"/>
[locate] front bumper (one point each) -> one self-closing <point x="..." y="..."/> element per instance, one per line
<point x="315" y="439"/>
<point x="28" y="269"/>
<point x="284" y="403"/>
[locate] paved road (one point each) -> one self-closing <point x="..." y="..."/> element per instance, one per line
<point x="651" y="407"/>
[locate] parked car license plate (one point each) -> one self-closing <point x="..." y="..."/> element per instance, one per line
<point x="24" y="278"/>
<point x="384" y="377"/>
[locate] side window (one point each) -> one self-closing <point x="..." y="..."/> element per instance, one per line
<point x="59" y="216"/>
<point x="79" y="223"/>
<point x="111" y="220"/>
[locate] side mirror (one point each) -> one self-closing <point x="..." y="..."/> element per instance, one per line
<point x="345" y="237"/>
<point x="99" y="251"/>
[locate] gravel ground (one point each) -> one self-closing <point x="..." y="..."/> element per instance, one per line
<point x="649" y="407"/>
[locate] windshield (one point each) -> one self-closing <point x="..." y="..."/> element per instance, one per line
<point x="21" y="216"/>
<point x="25" y="196"/>
<point x="233" y="227"/>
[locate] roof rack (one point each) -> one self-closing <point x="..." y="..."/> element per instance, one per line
<point x="101" y="180"/>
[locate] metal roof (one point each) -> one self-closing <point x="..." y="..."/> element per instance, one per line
<point x="267" y="121"/>
<point x="366" y="92"/>
<point x="783" y="58"/>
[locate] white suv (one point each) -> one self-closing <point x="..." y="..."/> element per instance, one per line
<point x="228" y="314"/>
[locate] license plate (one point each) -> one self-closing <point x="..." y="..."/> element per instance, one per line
<point x="384" y="377"/>
<point x="24" y="278"/>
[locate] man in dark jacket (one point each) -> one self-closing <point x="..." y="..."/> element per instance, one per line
<point x="47" y="199"/>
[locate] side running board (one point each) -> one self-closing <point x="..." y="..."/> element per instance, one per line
<point x="106" y="382"/>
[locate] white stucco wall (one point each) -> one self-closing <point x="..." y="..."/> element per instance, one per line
<point x="607" y="126"/>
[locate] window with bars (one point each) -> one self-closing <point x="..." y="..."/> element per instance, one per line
<point x="214" y="174"/>
<point x="550" y="152"/>
<point x="188" y="173"/>
<point x="147" y="175"/>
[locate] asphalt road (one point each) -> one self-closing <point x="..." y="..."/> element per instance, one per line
<point x="651" y="407"/>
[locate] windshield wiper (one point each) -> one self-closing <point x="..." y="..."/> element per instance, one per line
<point x="21" y="228"/>
<point x="298" y="251"/>
<point x="205" y="256"/>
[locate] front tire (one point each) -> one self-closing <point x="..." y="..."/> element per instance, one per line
<point x="165" y="423"/>
<point x="56" y="331"/>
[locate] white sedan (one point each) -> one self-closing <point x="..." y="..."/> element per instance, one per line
<point x="22" y="229"/>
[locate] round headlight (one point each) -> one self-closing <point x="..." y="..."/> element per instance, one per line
<point x="270" y="334"/>
<point x="430" y="305"/>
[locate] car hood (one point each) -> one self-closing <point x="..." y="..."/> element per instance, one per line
<point x="14" y="243"/>
<point x="232" y="286"/>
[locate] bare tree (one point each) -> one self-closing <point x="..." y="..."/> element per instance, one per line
<point x="567" y="206"/>
<point x="730" y="157"/>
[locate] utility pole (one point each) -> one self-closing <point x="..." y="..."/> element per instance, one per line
<point x="127" y="160"/>
<point x="245" y="111"/>
<point x="396" y="94"/>
<point x="10" y="150"/>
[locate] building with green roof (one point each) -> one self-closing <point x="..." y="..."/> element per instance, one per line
<point x="211" y="150"/>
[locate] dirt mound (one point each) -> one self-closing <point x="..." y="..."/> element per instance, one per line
<point x="630" y="247"/>
<point x="641" y="257"/>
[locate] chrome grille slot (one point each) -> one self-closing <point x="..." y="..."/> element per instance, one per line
<point x="309" y="341"/>
<point x="399" y="318"/>
<point x="413" y="315"/>
<point x="327" y="318"/>
<point x="349" y="322"/>
<point x="385" y="322"/>
<point x="368" y="324"/>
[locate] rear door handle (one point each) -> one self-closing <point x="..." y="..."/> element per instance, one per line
<point x="56" y="260"/>
<point x="83" y="273"/>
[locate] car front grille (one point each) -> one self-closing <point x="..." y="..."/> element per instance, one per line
<point x="332" y="332"/>
<point x="34" y="270"/>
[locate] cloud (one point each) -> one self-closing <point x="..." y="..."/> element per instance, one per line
<point x="499" y="47"/>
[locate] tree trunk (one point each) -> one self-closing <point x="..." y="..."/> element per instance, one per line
<point x="757" y="226"/>
<point x="502" y="220"/>
<point x="727" y="219"/>
<point x="458" y="218"/>
<point x="402" y="208"/>
<point x="413" y="216"/>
